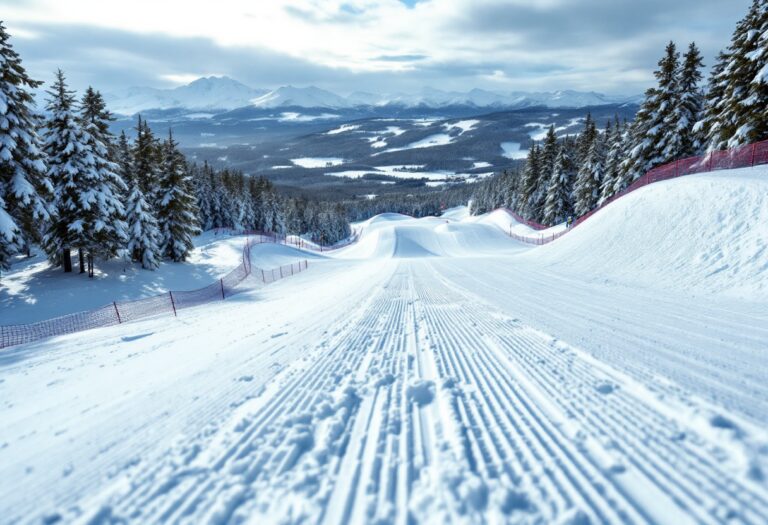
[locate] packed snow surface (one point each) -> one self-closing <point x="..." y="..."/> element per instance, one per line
<point x="435" y="372"/>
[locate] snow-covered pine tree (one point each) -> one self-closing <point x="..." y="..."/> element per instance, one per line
<point x="549" y="152"/>
<point x="146" y="160"/>
<point x="177" y="211"/>
<point x="508" y="188"/>
<point x="24" y="185"/>
<point x="734" y="111"/>
<point x="651" y="134"/>
<point x="71" y="169"/>
<point x="558" y="201"/>
<point x="124" y="161"/>
<point x="585" y="139"/>
<point x="690" y="102"/>
<point x="747" y="93"/>
<point x="272" y="214"/>
<point x="528" y="203"/>
<point x="615" y="147"/>
<point x="667" y="143"/>
<point x="143" y="233"/>
<point x="586" y="190"/>
<point x="109" y="235"/>
<point x="223" y="201"/>
<point x="707" y="129"/>
<point x="202" y="177"/>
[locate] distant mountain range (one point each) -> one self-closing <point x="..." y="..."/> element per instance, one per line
<point x="214" y="94"/>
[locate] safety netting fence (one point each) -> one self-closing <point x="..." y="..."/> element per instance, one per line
<point x="746" y="156"/>
<point x="291" y="240"/>
<point x="168" y="303"/>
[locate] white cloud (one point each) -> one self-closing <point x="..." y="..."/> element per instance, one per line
<point x="524" y="44"/>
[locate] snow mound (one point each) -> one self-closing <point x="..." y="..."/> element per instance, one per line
<point x="706" y="233"/>
<point x="399" y="236"/>
<point x="502" y="219"/>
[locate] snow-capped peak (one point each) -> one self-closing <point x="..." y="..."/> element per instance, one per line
<point x="205" y="93"/>
<point x="309" y="97"/>
<point x="225" y="93"/>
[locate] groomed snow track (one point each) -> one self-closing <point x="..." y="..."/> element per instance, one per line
<point x="406" y="382"/>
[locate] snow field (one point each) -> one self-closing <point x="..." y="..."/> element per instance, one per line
<point x="32" y="291"/>
<point x="435" y="372"/>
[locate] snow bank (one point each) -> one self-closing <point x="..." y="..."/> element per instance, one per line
<point x="704" y="233"/>
<point x="507" y="223"/>
<point x="399" y="236"/>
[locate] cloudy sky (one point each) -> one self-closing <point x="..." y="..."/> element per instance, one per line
<point x="372" y="45"/>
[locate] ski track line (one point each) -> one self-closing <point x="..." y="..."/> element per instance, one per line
<point x="138" y="447"/>
<point x="719" y="376"/>
<point x="428" y="404"/>
<point x="271" y="442"/>
<point x="573" y="384"/>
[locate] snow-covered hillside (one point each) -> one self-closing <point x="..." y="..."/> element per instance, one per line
<point x="435" y="372"/>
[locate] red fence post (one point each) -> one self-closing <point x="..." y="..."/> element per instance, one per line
<point x="752" y="163"/>
<point x="117" y="312"/>
<point x="221" y="281"/>
<point x="173" y="304"/>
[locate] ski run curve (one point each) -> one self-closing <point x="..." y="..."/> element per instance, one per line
<point x="435" y="372"/>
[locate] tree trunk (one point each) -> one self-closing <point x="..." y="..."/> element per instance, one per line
<point x="66" y="259"/>
<point x="81" y="256"/>
<point x="90" y="265"/>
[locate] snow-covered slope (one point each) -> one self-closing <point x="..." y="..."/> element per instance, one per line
<point x="309" y="97"/>
<point x="704" y="233"/>
<point x="436" y="372"/>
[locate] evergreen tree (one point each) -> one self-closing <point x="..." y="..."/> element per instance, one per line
<point x="738" y="94"/>
<point x="708" y="128"/>
<point x="108" y="236"/>
<point x="143" y="233"/>
<point x="690" y="103"/>
<point x="177" y="212"/>
<point x="667" y="143"/>
<point x="586" y="191"/>
<point x="585" y="140"/>
<point x="24" y="185"/>
<point x="145" y="160"/>
<point x="653" y="133"/>
<point x="747" y="91"/>
<point x="558" y="201"/>
<point x="549" y="152"/>
<point x="615" y="148"/>
<point x="71" y="167"/>
<point x="124" y="161"/>
<point x="203" y="186"/>
<point x="529" y="205"/>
